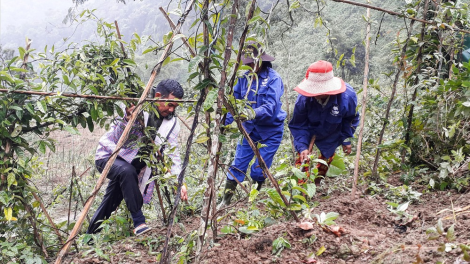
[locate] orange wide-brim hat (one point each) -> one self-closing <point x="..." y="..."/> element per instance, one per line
<point x="320" y="80"/>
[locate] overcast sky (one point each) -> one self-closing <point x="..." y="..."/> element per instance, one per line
<point x="41" y="20"/>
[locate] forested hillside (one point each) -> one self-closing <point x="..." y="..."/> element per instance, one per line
<point x="71" y="72"/>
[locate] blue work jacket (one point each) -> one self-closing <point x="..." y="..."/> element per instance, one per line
<point x="331" y="124"/>
<point x="267" y="97"/>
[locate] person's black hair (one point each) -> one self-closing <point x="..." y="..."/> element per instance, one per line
<point x="167" y="87"/>
<point x="265" y="65"/>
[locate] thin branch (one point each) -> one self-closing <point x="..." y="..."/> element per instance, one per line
<point x="364" y="106"/>
<point x="397" y="14"/>
<point x="99" y="97"/>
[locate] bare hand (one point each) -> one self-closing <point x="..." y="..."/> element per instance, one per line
<point x="347" y="149"/>
<point x="129" y="111"/>
<point x="184" y="193"/>
<point x="304" y="156"/>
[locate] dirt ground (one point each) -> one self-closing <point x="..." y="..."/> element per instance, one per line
<point x="372" y="235"/>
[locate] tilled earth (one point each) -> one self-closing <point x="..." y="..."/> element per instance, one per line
<point x="372" y="234"/>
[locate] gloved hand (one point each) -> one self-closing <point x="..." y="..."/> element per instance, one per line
<point x="247" y="114"/>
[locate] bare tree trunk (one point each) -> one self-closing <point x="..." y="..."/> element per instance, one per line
<point x="419" y="57"/>
<point x="392" y="97"/>
<point x="365" y="81"/>
<point x="210" y="194"/>
<point x="207" y="199"/>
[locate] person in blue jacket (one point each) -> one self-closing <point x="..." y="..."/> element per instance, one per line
<point x="264" y="121"/>
<point x="324" y="114"/>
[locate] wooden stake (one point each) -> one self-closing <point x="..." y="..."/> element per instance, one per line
<point x="365" y="81"/>
<point x="121" y="141"/>
<point x="157" y="186"/>
<point x="43" y="208"/>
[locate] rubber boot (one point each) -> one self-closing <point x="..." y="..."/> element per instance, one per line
<point x="260" y="184"/>
<point x="229" y="190"/>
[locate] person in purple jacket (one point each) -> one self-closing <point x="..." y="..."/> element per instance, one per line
<point x="129" y="173"/>
<point x="326" y="111"/>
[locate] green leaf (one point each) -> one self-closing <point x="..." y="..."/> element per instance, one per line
<point x="129" y="61"/>
<point x="4" y="198"/>
<point x="320" y="251"/>
<point x="71" y="130"/>
<point x="16" y="131"/>
<point x="149" y="50"/>
<point x="311" y="189"/>
<point x="93" y="89"/>
<point x="22" y="52"/>
<point x="274" y="195"/>
<point x="93" y="113"/>
<point x="300" y="197"/>
<point x="439" y="227"/>
<point x="30" y="108"/>
<point x="202" y="139"/>
<point x="336" y="168"/>
<point x="402" y="207"/>
<point x="42" y="106"/>
<point x="114" y="62"/>
<point x="11" y="179"/>
<point x="227" y="230"/>
<point x="8" y="213"/>
<point x="253" y="195"/>
<point x="90" y="123"/>
<point x="211" y="97"/>
<point x="245" y="230"/>
<point x="432" y="233"/>
<point x="194" y="63"/>
<point x="280" y="243"/>
<point x="300" y="189"/>
<point x="294" y="5"/>
<point x="298" y="173"/>
<point x="166" y="61"/>
<point x="450" y="233"/>
<point x="42" y="147"/>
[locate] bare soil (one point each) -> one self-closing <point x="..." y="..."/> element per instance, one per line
<point x="372" y="235"/>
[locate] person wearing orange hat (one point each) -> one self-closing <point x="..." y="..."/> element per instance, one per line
<point x="263" y="121"/>
<point x="326" y="111"/>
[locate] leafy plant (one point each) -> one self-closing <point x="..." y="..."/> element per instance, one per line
<point x="280" y="244"/>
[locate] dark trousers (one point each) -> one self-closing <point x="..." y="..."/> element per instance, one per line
<point x="123" y="184"/>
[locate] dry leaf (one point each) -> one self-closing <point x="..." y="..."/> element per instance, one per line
<point x="241" y="222"/>
<point x="310" y="260"/>
<point x="305" y="225"/>
<point x="337" y="230"/>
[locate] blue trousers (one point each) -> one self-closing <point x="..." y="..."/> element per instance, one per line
<point x="244" y="154"/>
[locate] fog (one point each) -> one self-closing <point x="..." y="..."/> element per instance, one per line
<point x="42" y="21"/>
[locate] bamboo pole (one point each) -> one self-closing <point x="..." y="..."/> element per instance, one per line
<point x="122" y="140"/>
<point x="364" y="106"/>
<point x="397" y="14"/>
<point x="99" y="97"/>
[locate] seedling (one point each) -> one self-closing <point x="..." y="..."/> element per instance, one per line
<point x="280" y="244"/>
